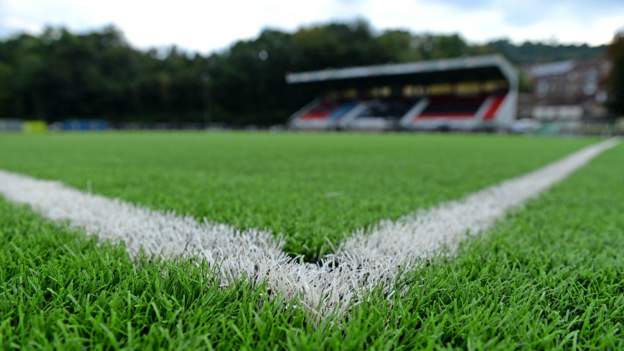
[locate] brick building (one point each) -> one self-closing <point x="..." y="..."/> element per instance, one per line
<point x="566" y="90"/>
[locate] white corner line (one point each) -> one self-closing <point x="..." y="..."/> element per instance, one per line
<point x="362" y="262"/>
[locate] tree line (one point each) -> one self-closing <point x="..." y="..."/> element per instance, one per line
<point x="59" y="74"/>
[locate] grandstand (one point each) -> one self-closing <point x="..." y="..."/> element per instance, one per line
<point x="471" y="93"/>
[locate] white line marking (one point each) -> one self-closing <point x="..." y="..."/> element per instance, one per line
<point x="361" y="263"/>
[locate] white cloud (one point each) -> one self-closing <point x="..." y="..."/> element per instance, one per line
<point x="209" y="25"/>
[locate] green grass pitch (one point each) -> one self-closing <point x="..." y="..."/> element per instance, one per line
<point x="548" y="276"/>
<point x="314" y="189"/>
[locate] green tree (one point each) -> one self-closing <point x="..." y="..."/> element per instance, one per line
<point x="6" y="72"/>
<point x="616" y="78"/>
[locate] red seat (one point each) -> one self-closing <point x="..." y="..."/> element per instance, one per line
<point x="494" y="106"/>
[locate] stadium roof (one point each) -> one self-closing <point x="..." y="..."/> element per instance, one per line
<point x="470" y="67"/>
<point x="552" y="68"/>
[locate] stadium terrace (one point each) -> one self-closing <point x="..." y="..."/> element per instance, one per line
<point x="472" y="93"/>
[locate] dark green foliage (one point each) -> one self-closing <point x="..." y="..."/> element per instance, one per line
<point x="616" y="79"/>
<point x="62" y="75"/>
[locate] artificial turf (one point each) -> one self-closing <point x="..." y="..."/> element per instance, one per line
<point x="314" y="189"/>
<point x="550" y="276"/>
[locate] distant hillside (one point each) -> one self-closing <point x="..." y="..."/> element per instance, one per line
<point x="535" y="52"/>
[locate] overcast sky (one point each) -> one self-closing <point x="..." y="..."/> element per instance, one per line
<point x="207" y="25"/>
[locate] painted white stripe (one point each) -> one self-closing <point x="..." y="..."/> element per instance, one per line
<point x="361" y="263"/>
